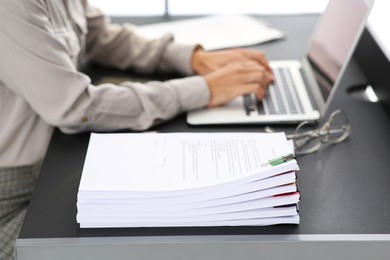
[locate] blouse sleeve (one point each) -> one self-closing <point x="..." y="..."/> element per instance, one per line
<point x="120" y="46"/>
<point x="36" y="65"/>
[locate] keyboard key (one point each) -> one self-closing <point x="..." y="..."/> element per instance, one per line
<point x="248" y="104"/>
<point x="281" y="97"/>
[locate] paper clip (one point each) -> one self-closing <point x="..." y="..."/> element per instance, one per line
<point x="279" y="160"/>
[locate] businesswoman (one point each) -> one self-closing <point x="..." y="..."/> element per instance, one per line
<point x="42" y="45"/>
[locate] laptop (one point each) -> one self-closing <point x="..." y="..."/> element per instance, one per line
<point x="302" y="89"/>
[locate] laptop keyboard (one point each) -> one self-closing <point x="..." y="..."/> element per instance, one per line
<point x="281" y="97"/>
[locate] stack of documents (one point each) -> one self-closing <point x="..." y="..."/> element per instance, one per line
<point x="188" y="179"/>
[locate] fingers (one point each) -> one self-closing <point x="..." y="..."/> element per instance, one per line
<point x="249" y="88"/>
<point x="236" y="79"/>
<point x="259" y="57"/>
<point x="251" y="78"/>
<point x="252" y="72"/>
<point x="260" y="93"/>
<point x="204" y="62"/>
<point x="257" y="88"/>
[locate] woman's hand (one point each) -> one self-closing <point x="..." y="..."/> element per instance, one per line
<point x="236" y="79"/>
<point x="204" y="62"/>
<point x="231" y="73"/>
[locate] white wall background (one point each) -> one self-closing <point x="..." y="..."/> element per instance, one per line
<point x="187" y="7"/>
<point x="378" y="23"/>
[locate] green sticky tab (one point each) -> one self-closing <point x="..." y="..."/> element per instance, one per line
<point x="281" y="159"/>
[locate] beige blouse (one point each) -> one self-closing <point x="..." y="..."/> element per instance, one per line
<point x="42" y="43"/>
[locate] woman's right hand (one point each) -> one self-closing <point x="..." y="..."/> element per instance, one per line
<point x="237" y="79"/>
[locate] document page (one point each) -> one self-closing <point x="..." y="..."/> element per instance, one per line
<point x="177" y="161"/>
<point x="215" y="32"/>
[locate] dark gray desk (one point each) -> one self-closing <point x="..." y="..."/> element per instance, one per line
<point x="345" y="209"/>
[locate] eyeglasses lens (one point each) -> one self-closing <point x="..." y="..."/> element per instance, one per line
<point x="339" y="127"/>
<point x="306" y="138"/>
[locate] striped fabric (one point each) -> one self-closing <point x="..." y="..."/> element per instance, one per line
<point x="16" y="186"/>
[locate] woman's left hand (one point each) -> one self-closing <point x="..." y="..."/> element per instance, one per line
<point x="205" y="62"/>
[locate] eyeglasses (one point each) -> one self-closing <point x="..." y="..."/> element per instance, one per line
<point x="308" y="137"/>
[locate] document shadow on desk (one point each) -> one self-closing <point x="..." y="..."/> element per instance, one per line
<point x="288" y="229"/>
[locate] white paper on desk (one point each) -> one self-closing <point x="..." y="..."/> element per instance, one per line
<point x="262" y="199"/>
<point x="184" y="216"/>
<point x="180" y="163"/>
<point x="93" y="211"/>
<point x="215" y="32"/>
<point x="266" y="185"/>
<point x="237" y="222"/>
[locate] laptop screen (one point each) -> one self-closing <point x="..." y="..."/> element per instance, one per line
<point x="334" y="40"/>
